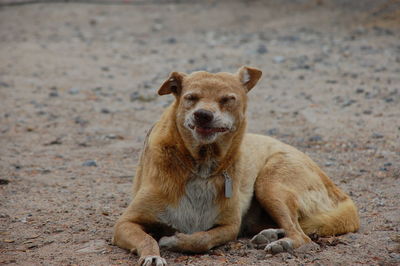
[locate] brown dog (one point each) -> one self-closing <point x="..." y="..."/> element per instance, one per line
<point x="201" y="180"/>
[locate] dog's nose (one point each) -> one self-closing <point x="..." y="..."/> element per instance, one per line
<point x="203" y="117"/>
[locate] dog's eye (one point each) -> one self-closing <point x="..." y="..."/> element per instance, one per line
<point x="227" y="99"/>
<point x="192" y="97"/>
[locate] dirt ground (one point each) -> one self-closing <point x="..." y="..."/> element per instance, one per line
<point x="78" y="89"/>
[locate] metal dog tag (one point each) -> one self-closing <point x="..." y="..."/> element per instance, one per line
<point x="228" y="185"/>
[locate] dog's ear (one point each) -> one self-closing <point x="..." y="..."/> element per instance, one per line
<point x="249" y="76"/>
<point x="173" y="84"/>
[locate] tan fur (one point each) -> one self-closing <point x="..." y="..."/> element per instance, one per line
<point x="286" y="183"/>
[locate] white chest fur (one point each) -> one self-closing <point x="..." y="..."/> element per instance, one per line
<point x="196" y="210"/>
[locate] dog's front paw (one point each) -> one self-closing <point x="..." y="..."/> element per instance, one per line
<point x="281" y="245"/>
<point x="152" y="260"/>
<point x="168" y="242"/>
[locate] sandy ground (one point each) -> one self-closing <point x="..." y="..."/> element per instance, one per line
<point x="78" y="91"/>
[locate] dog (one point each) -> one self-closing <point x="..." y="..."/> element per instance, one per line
<point x="201" y="180"/>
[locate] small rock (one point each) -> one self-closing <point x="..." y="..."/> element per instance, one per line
<point x="279" y="59"/>
<point x="80" y="121"/>
<point x="53" y="94"/>
<point x="73" y="91"/>
<point x="262" y="49"/>
<point x="387" y="164"/>
<point x="105" y="111"/>
<point x="32" y="246"/>
<point x="157" y="27"/>
<point x="134" y="96"/>
<point x="92" y="22"/>
<point x="316" y="138"/>
<point x="89" y="163"/>
<point x="113" y="136"/>
<point x="367" y="112"/>
<point x="348" y="103"/>
<point x="4" y="84"/>
<point x="171" y="40"/>
<point x="359" y="90"/>
<point x="4" y="181"/>
<point x="105" y="68"/>
<point x="388" y="100"/>
<point x="331" y="81"/>
<point x="272" y="132"/>
<point x="377" y="136"/>
<point x="57" y="141"/>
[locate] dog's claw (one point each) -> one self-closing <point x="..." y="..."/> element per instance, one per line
<point x="282" y="245"/>
<point x="267" y="236"/>
<point x="152" y="260"/>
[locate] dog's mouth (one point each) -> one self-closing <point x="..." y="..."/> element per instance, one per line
<point x="205" y="131"/>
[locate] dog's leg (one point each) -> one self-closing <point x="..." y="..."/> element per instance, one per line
<point x="281" y="202"/>
<point x="131" y="236"/>
<point x="129" y="233"/>
<point x="284" y="212"/>
<point x="200" y="241"/>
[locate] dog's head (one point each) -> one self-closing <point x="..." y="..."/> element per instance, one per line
<point x="208" y="105"/>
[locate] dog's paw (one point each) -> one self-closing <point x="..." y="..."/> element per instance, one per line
<point x="281" y="245"/>
<point x="168" y="242"/>
<point x="267" y="236"/>
<point x="152" y="260"/>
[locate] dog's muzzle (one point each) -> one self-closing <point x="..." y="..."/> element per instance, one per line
<point x="204" y="123"/>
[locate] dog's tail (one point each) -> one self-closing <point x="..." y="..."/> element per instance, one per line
<point x="340" y="220"/>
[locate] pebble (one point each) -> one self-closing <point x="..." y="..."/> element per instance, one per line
<point x="377" y="136"/>
<point x="73" y="91"/>
<point x="272" y="132"/>
<point x="80" y="121"/>
<point x="171" y="40"/>
<point x="348" y="103"/>
<point x="157" y="27"/>
<point x="105" y="111"/>
<point x="4" y="84"/>
<point x="388" y="100"/>
<point x="262" y="49"/>
<point x="134" y="96"/>
<point x="4" y="181"/>
<point x="316" y="138"/>
<point x="53" y="94"/>
<point x="367" y="112"/>
<point x="279" y="59"/>
<point x="113" y="136"/>
<point x="89" y="163"/>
